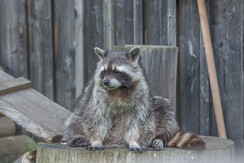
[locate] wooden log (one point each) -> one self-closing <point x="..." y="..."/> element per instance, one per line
<point x="7" y="127"/>
<point x="14" y="146"/>
<point x="160" y="64"/>
<point x="33" y="111"/>
<point x="217" y="150"/>
<point x="14" y="85"/>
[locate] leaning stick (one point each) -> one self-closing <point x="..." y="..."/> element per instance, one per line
<point x="211" y="68"/>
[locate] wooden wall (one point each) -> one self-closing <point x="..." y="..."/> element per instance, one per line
<point x="51" y="42"/>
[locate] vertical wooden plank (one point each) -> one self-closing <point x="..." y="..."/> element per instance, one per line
<point x="14" y="55"/>
<point x="65" y="59"/>
<point x="93" y="35"/>
<point x="204" y="90"/>
<point x="79" y="50"/>
<point x="171" y="22"/>
<point x="234" y="77"/>
<point x="138" y="21"/>
<point x="40" y="46"/>
<point x="189" y="65"/>
<point x="108" y="34"/>
<point x="229" y="59"/>
<point x="156" y="22"/>
<point x="124" y="22"/>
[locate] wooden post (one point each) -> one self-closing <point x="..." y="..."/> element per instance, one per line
<point x="217" y="150"/>
<point x="211" y="68"/>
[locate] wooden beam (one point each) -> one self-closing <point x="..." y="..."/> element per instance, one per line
<point x="14" y="85"/>
<point x="34" y="112"/>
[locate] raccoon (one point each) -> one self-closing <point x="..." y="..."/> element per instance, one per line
<point x="117" y="109"/>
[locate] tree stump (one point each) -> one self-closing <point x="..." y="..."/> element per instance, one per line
<point x="217" y="150"/>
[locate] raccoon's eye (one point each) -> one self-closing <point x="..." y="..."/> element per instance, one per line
<point x="102" y="75"/>
<point x="117" y="72"/>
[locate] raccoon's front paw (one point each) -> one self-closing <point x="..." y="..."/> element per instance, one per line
<point x="158" y="144"/>
<point x="138" y="149"/>
<point x="94" y="148"/>
<point x="78" y="142"/>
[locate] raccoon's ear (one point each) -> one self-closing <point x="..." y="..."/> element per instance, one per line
<point x="134" y="54"/>
<point x="100" y="53"/>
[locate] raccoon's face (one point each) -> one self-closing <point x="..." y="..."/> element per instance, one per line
<point x="117" y="69"/>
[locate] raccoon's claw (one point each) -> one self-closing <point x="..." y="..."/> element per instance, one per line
<point x="158" y="144"/>
<point x="138" y="149"/>
<point x="94" y="148"/>
<point x="78" y="142"/>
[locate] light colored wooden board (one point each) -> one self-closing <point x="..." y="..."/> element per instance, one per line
<point x="33" y="111"/>
<point x="217" y="150"/>
<point x="14" y="85"/>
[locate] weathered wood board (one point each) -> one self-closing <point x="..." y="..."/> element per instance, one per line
<point x="217" y="150"/>
<point x="14" y="85"/>
<point x="14" y="37"/>
<point x="33" y="111"/>
<point x="64" y="57"/>
<point x="160" y="64"/>
<point x="41" y="46"/>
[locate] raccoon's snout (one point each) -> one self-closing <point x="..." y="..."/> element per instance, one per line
<point x="106" y="82"/>
<point x="111" y="84"/>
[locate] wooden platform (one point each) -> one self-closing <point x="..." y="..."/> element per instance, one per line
<point x="217" y="150"/>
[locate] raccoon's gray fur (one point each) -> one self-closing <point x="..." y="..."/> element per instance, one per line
<point x="117" y="109"/>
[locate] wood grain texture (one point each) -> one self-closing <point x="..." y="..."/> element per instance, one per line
<point x="156" y="24"/>
<point x="228" y="54"/>
<point x="79" y="49"/>
<point x="13" y="85"/>
<point x="124" y="22"/>
<point x="138" y="21"/>
<point x="41" y="46"/>
<point x="108" y="24"/>
<point x="14" y="52"/>
<point x="160" y="64"/>
<point x="189" y="66"/>
<point x="33" y="111"/>
<point x="217" y="150"/>
<point x="93" y="35"/>
<point x="65" y="59"/>
<point x="171" y="22"/>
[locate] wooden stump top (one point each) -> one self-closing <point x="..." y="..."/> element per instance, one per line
<point x="217" y="150"/>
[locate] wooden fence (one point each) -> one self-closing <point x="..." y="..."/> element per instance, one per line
<point x="51" y="42"/>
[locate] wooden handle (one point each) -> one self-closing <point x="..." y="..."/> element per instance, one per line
<point x="211" y="68"/>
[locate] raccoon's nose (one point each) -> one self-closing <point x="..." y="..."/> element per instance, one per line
<point x="106" y="82"/>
